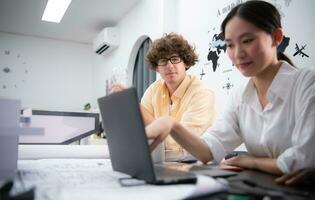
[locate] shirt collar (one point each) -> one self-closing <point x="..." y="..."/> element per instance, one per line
<point x="180" y="91"/>
<point x="282" y="82"/>
<point x="279" y="88"/>
<point x="249" y="91"/>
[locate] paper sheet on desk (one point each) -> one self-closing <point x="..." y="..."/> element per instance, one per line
<point x="94" y="179"/>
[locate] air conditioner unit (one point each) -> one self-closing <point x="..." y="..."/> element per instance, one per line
<point x="106" y="40"/>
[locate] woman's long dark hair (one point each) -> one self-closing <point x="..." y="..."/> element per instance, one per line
<point x="260" y="13"/>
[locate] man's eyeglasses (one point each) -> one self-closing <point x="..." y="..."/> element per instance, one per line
<point x="173" y="60"/>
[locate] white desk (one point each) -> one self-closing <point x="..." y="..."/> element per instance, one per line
<point x="94" y="179"/>
<point x="85" y="172"/>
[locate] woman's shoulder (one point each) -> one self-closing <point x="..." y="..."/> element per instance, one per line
<point x="304" y="85"/>
<point x="305" y="77"/>
<point x="307" y="72"/>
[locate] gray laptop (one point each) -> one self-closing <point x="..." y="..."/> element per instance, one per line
<point x="128" y="145"/>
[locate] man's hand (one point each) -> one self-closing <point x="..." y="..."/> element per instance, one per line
<point x="304" y="176"/>
<point x="158" y="130"/>
<point x="117" y="87"/>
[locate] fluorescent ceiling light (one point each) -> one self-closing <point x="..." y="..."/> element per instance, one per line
<point x="55" y="9"/>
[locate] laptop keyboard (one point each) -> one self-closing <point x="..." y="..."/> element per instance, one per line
<point x="163" y="172"/>
<point x="166" y="175"/>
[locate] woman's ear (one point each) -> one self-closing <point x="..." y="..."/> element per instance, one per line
<point x="278" y="36"/>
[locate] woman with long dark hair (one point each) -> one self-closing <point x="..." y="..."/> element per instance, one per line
<point x="273" y="114"/>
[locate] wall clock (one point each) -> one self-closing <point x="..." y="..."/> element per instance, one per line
<point x="14" y="70"/>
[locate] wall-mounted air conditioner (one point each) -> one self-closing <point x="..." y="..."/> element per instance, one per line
<point x="106" y="40"/>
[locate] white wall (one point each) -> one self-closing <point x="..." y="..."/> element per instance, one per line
<point x="199" y="20"/>
<point x="64" y="75"/>
<point x="46" y="74"/>
<point x="298" y="25"/>
<point x="198" y="27"/>
<point x="144" y="20"/>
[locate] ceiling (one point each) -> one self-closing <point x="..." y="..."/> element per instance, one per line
<point x="81" y="22"/>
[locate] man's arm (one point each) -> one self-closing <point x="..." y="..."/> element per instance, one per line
<point x="146" y="115"/>
<point x="160" y="128"/>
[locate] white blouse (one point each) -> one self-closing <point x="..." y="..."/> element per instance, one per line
<point x="284" y="129"/>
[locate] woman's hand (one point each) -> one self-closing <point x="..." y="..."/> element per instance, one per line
<point x="260" y="163"/>
<point x="303" y="176"/>
<point x="158" y="130"/>
<point x="242" y="161"/>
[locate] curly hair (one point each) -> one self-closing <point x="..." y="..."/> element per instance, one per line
<point x="169" y="44"/>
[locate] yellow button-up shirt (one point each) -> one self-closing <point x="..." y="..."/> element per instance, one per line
<point x="192" y="104"/>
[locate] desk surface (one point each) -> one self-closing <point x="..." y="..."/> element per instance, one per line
<point x="62" y="178"/>
<point x="94" y="179"/>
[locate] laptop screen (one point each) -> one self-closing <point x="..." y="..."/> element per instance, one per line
<point x="124" y="128"/>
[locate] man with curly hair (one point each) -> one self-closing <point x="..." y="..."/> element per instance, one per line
<point x="178" y="95"/>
